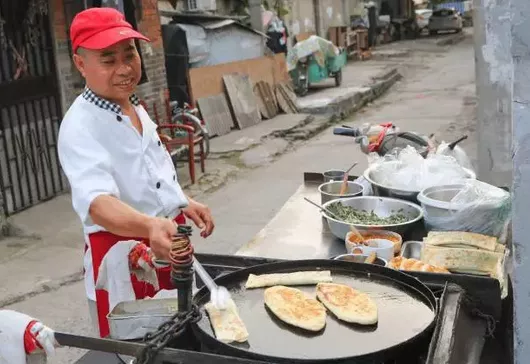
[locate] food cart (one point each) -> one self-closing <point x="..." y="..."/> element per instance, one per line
<point x="472" y="324"/>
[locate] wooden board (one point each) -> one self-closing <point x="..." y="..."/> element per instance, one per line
<point x="242" y="99"/>
<point x="208" y="81"/>
<point x="266" y="99"/>
<point x="286" y="98"/>
<point x="216" y="114"/>
<point x="303" y="36"/>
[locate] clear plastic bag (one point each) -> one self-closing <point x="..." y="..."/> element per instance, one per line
<point x="472" y="206"/>
<point x="458" y="153"/>
<point x="407" y="170"/>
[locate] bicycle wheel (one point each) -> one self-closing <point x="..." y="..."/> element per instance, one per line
<point x="200" y="130"/>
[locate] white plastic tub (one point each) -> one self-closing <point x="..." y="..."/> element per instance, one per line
<point x="487" y="214"/>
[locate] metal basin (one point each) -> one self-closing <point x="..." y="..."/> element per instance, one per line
<point x="360" y="258"/>
<point x="331" y="191"/>
<point x="485" y="215"/>
<point x="387" y="191"/>
<point x="383" y="207"/>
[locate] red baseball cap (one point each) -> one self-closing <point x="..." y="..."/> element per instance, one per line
<point x="99" y="28"/>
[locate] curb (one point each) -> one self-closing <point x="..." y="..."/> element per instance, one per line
<point x="344" y="107"/>
<point x="280" y="133"/>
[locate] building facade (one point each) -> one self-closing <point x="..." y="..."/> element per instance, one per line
<point x="143" y="14"/>
<point x="38" y="82"/>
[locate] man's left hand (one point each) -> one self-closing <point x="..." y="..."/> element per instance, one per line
<point x="202" y="217"/>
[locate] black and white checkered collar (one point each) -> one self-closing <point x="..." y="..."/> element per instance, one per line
<point x="90" y="96"/>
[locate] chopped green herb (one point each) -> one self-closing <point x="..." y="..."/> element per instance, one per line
<point x="352" y="216"/>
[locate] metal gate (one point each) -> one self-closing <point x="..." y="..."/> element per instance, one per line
<point x="30" y="110"/>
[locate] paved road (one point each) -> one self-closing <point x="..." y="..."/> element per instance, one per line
<point x="436" y="95"/>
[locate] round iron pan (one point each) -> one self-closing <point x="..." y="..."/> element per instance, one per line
<point x="406" y="307"/>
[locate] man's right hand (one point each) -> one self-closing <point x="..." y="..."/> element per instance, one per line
<point x="161" y="233"/>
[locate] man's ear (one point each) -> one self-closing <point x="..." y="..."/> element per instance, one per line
<point x="79" y="62"/>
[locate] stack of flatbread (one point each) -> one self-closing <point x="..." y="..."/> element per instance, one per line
<point x="465" y="252"/>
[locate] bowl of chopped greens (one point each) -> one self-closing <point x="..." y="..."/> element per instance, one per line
<point x="371" y="213"/>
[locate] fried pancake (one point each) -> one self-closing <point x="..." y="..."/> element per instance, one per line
<point x="227" y="325"/>
<point x="401" y="263"/>
<point x="348" y="304"/>
<point x="288" y="279"/>
<point x="293" y="307"/>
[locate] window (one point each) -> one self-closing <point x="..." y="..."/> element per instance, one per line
<point x="443" y="13"/>
<point x="192" y="4"/>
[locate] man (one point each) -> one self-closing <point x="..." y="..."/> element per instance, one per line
<point x="123" y="181"/>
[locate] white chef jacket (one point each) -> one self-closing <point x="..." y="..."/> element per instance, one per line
<point x="101" y="153"/>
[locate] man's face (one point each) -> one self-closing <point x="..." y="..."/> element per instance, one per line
<point x="113" y="72"/>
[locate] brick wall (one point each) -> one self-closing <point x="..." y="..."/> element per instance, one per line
<point x="153" y="56"/>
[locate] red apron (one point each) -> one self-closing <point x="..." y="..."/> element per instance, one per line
<point x="100" y="244"/>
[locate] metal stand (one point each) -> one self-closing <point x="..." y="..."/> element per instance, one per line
<point x="181" y="257"/>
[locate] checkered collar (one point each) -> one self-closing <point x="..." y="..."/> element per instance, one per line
<point x="90" y="96"/>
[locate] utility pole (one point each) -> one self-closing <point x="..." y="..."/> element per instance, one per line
<point x="256" y="21"/>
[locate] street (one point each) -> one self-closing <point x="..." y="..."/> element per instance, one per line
<point x="435" y="95"/>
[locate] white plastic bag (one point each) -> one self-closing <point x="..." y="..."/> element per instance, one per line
<point x="407" y="170"/>
<point x="457" y="153"/>
<point x="476" y="207"/>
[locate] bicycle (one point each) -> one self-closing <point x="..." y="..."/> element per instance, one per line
<point x="188" y="116"/>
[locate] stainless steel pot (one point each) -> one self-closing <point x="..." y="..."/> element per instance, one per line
<point x="387" y="191"/>
<point x="331" y="191"/>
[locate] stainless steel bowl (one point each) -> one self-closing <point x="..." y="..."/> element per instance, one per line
<point x="387" y="191"/>
<point x="333" y="175"/>
<point x="360" y="258"/>
<point x="412" y="249"/>
<point x="331" y="191"/>
<point x="383" y="207"/>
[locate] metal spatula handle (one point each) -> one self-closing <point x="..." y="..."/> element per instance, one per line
<point x="322" y="208"/>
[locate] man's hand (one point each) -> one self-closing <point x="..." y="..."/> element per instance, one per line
<point x="202" y="217"/>
<point x="161" y="233"/>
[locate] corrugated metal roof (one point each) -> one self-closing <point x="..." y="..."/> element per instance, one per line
<point x="211" y="22"/>
<point x="216" y="24"/>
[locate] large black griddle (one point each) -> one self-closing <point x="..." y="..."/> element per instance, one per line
<point x="407" y="312"/>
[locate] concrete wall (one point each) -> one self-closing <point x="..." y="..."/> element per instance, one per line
<point x="520" y="38"/>
<point x="301" y="18"/>
<point x="333" y="13"/>
<point x="494" y="90"/>
<point x="356" y="7"/>
<point x="318" y="15"/>
<point x="153" y="56"/>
